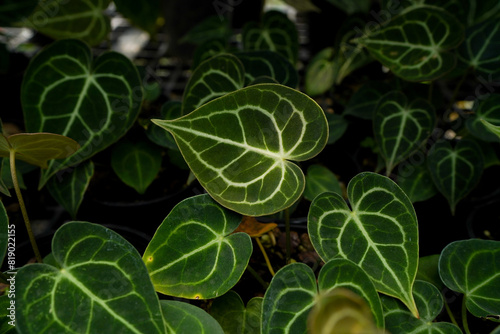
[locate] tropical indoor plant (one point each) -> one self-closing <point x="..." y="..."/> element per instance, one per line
<point x="363" y="167"/>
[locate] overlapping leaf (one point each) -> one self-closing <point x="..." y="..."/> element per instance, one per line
<point x="401" y="126"/>
<point x="363" y="102"/>
<point x="181" y="317"/>
<point x="352" y="6"/>
<point x="379" y="234"/>
<point x="415" y="44"/>
<point x="455" y="170"/>
<point x="13" y="11"/>
<point x="94" y="103"/>
<point x="101" y="276"/>
<point x="234" y="317"/>
<point x="320" y="179"/>
<point x="239" y="146"/>
<point x="416" y="181"/>
<point x="472" y="267"/>
<point x="142" y="13"/>
<point x="193" y="253"/>
<point x="488" y="110"/>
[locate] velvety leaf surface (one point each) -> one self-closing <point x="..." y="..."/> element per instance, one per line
<point x="142" y="13"/>
<point x="234" y="317"/>
<point x="214" y="77"/>
<point x="239" y="146"/>
<point x="94" y="103"/>
<point x="320" y="179"/>
<point x="194" y="253"/>
<point x="415" y="44"/>
<point x="455" y="170"/>
<point x="181" y="317"/>
<point x="401" y="126"/>
<point x="485" y="110"/>
<point x="102" y="287"/>
<point x="37" y="148"/>
<point x="363" y="102"/>
<point x="472" y="267"/>
<point x="12" y="11"/>
<point x="68" y="189"/>
<point x="80" y="19"/>
<point x="416" y="181"/>
<point x="379" y="233"/>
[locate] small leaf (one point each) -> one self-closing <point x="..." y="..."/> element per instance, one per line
<point x="213" y="27"/>
<point x="320" y="179"/>
<point x="363" y="102"/>
<point x="416" y="181"/>
<point x="320" y="72"/>
<point x="472" y="267"/>
<point x="194" y="254"/>
<point x="142" y="14"/>
<point x="253" y="228"/>
<point x="337" y="126"/>
<point x="68" y="190"/>
<point x="136" y="164"/>
<point x="181" y="317"/>
<point x="37" y="148"/>
<point x="379" y="234"/>
<point x="101" y="276"/>
<point x="239" y="146"/>
<point x="12" y="11"/>
<point x="455" y="170"/>
<point x="428" y="271"/>
<point x="488" y="110"/>
<point x="169" y="110"/>
<point x="232" y="315"/>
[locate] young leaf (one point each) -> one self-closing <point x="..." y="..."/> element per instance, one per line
<point x="415" y="44"/>
<point x="94" y="103"/>
<point x="181" y="317"/>
<point x="485" y="110"/>
<point x="320" y="179"/>
<point x="320" y="72"/>
<point x="68" y="190"/>
<point x="472" y="267"/>
<point x="193" y="253"/>
<point x="234" y="317"/>
<point x="455" y="170"/>
<point x="401" y="126"/>
<point x="239" y="146"/>
<point x="214" y="77"/>
<point x="79" y="19"/>
<point x="379" y="234"/>
<point x="101" y="276"/>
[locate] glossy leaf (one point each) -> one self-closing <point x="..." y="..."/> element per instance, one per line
<point x="416" y="44"/>
<point x="429" y="303"/>
<point x="254" y="228"/>
<point x="379" y="233"/>
<point x="320" y="179"/>
<point x="142" y="14"/>
<point x="472" y="267"/>
<point x="12" y="11"/>
<point x="69" y="188"/>
<point x="239" y="146"/>
<point x="416" y="181"/>
<point x="401" y="126"/>
<point x="181" y="317"/>
<point x="80" y="19"/>
<point x="455" y="170"/>
<point x="101" y="276"/>
<point x="268" y="63"/>
<point x="213" y="78"/>
<point x="488" y="110"/>
<point x="363" y="102"/>
<point x="95" y="103"/>
<point x="37" y="148"/>
<point x="276" y="33"/>
<point x="193" y="253"/>
<point x="136" y="164"/>
<point x="234" y="317"/>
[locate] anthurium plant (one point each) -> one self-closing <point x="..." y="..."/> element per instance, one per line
<point x="380" y="146"/>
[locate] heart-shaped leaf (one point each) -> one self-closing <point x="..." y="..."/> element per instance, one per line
<point x="95" y="103"/>
<point x="234" y="317"/>
<point x="320" y="179"/>
<point x="101" y="275"/>
<point x="401" y="126"/>
<point x="416" y="181"/>
<point x="485" y="110"/>
<point x="214" y="77"/>
<point x="238" y="146"/>
<point x="472" y="267"/>
<point x="193" y="253"/>
<point x="68" y="189"/>
<point x="208" y="49"/>
<point x="379" y="234"/>
<point x="169" y="110"/>
<point x="181" y="317"/>
<point x="363" y="102"/>
<point x="320" y="72"/>
<point x="415" y="44"/>
<point x="80" y="19"/>
<point x="455" y="170"/>
<point x="37" y="148"/>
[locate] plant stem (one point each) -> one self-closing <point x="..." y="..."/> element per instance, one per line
<point x="257" y="277"/>
<point x="23" y="207"/>
<point x="288" y="243"/>
<point x="464" y="317"/>
<point x="265" y="255"/>
<point x="450" y="314"/>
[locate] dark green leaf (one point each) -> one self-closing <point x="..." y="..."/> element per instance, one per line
<point x="4" y="233"/>
<point x="337" y="126"/>
<point x="234" y="317"/>
<point x="181" y="317"/>
<point x="428" y="271"/>
<point x="416" y="181"/>
<point x="363" y="102"/>
<point x="487" y="109"/>
<point x="141" y="13"/>
<point x="14" y="11"/>
<point x="479" y="11"/>
<point x="208" y="50"/>
<point x="320" y="179"/>
<point x="495" y="129"/>
<point x="213" y="27"/>
<point x="352" y="6"/>
<point x="169" y="110"/>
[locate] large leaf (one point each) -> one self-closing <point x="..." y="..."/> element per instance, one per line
<point x="102" y="286"/>
<point x="488" y="110"/>
<point x="455" y="170"/>
<point x="193" y="253"/>
<point x="142" y="13"/>
<point x="181" y="317"/>
<point x="12" y="11"/>
<point x="213" y="78"/>
<point x="415" y="45"/>
<point x="80" y="19"/>
<point x="379" y="234"/>
<point x="239" y="146"/>
<point x="234" y="317"/>
<point x="472" y="267"/>
<point x="401" y="126"/>
<point x="94" y="103"/>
